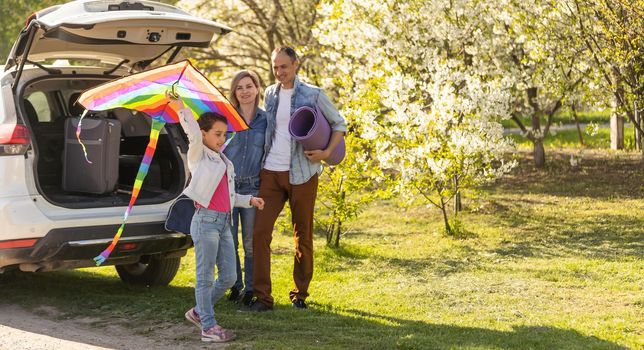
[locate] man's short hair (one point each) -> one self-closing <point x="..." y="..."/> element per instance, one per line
<point x="287" y="50"/>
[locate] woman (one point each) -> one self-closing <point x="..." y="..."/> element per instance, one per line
<point x="246" y="150"/>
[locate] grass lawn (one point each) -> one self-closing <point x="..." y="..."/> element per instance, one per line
<point x="553" y="260"/>
<point x="570" y="139"/>
<point x="565" y="117"/>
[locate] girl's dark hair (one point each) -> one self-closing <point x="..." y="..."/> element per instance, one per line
<point x="208" y="119"/>
<point x="287" y="50"/>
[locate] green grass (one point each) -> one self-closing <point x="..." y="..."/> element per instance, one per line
<point x="570" y="139"/>
<point x="553" y="261"/>
<point x="565" y="117"/>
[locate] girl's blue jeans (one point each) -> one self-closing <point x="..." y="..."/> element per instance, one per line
<point x="210" y="231"/>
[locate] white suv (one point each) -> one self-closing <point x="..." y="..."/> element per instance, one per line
<point x="62" y="51"/>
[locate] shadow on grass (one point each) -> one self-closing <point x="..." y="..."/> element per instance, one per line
<point x="90" y="294"/>
<point x="413" y="267"/>
<point x="77" y="294"/>
<point x="601" y="175"/>
<point x="390" y="332"/>
<point x="611" y="237"/>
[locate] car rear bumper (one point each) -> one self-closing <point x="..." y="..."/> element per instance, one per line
<point x="73" y="247"/>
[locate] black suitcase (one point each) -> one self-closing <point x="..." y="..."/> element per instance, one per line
<point x="102" y="139"/>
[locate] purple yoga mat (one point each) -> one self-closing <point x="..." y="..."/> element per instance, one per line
<point x="311" y="129"/>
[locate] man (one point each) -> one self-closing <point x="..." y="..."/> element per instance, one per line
<point x="289" y="173"/>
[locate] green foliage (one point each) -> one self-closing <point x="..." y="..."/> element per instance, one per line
<point x="345" y="189"/>
<point x="611" y="31"/>
<point x="14" y="14"/>
<point x="428" y="112"/>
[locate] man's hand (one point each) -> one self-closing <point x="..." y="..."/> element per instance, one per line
<point x="317" y="155"/>
<point x="257" y="203"/>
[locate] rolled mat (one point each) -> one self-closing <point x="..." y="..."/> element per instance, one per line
<point x="311" y="129"/>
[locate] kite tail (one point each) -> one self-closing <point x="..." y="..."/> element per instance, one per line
<point x="157" y="125"/>
<point x="78" y="132"/>
<point x="232" y="136"/>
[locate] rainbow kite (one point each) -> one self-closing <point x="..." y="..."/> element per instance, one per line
<point x="147" y="92"/>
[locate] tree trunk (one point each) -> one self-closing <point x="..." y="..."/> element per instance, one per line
<point x="539" y="154"/>
<point x="616" y="121"/>
<point x="337" y="236"/>
<point x="639" y="137"/>
<point x="443" y="207"/>
<point x="336" y="222"/>
<point x="616" y="131"/>
<point x="330" y="229"/>
<point x="638" y="134"/>
<point x="457" y="198"/>
<point x="573" y="107"/>
<point x="336" y="243"/>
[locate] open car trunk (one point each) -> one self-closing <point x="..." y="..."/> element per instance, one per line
<point x="127" y="36"/>
<point x="46" y="105"/>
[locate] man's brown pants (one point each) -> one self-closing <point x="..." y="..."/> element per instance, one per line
<point x="275" y="189"/>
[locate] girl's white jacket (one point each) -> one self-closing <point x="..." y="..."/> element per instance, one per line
<point x="207" y="167"/>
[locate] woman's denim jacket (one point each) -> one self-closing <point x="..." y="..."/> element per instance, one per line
<point x="301" y="169"/>
<point x="246" y="151"/>
<point x="207" y="167"/>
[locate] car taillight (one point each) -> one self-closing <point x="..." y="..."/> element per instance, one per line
<point x="18" y="243"/>
<point x="30" y="18"/>
<point x="128" y="246"/>
<point x="14" y="139"/>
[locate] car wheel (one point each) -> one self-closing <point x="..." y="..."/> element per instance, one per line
<point x="154" y="272"/>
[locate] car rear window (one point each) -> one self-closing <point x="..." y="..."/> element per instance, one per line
<point x="40" y="104"/>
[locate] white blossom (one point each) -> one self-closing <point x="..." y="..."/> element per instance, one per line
<point x="430" y="115"/>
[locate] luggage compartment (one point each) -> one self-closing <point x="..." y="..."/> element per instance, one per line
<point x="61" y="172"/>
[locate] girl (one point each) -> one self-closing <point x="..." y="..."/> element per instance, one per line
<point x="245" y="151"/>
<point x="212" y="189"/>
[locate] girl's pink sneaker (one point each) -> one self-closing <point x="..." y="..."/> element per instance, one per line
<point x="193" y="317"/>
<point x="217" y="334"/>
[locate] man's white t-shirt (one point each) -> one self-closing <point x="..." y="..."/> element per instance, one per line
<point x="279" y="156"/>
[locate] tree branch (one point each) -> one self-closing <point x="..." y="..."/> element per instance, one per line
<point x="427" y="197"/>
<point x="524" y="130"/>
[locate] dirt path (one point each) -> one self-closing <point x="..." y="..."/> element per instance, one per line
<point x="45" y="329"/>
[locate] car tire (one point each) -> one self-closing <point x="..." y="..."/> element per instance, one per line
<point x="154" y="272"/>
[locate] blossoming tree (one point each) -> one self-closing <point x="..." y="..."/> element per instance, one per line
<point x="412" y="84"/>
<point x="536" y="46"/>
<point x="612" y="30"/>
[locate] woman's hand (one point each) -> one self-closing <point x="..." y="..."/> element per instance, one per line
<point x="257" y="203"/>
